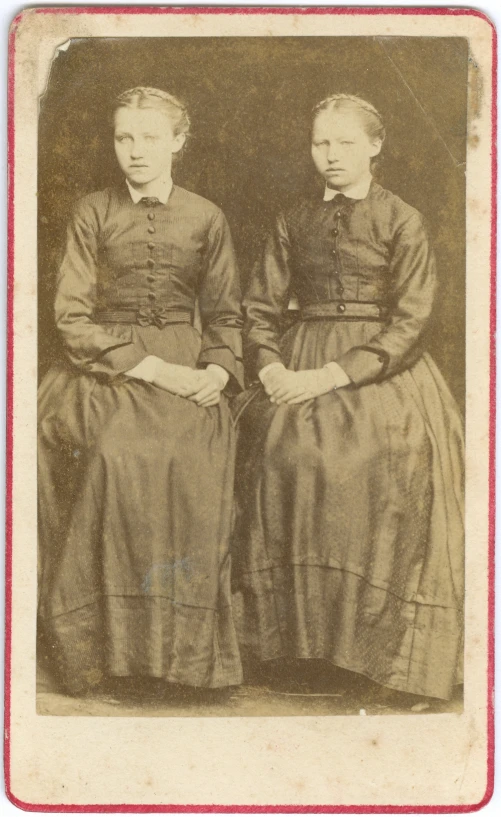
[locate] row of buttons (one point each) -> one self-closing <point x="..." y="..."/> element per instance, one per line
<point x="151" y="261"/>
<point x="340" y="289"/>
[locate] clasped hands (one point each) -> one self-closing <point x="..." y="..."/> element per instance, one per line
<point x="201" y="386"/>
<point x="285" y="386"/>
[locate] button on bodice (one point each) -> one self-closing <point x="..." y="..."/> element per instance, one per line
<point x="337" y="252"/>
<point x="140" y="271"/>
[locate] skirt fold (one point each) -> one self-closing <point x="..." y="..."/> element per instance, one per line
<point x="349" y="543"/>
<point x="135" y="504"/>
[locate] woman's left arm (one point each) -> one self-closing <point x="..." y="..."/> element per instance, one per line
<point x="397" y="346"/>
<point x="220" y="306"/>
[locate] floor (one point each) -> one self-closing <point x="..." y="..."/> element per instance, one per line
<point x="307" y="688"/>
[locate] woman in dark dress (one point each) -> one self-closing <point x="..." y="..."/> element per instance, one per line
<point x="350" y="529"/>
<point x="136" y="441"/>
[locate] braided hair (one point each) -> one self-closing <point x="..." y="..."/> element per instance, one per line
<point x="372" y="120"/>
<point x="142" y="97"/>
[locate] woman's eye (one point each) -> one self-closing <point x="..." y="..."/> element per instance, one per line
<point x="346" y="142"/>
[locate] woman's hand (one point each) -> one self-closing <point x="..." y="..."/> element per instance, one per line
<point x="203" y="386"/>
<point x="180" y="380"/>
<point x="211" y="382"/>
<point x="284" y="386"/>
<point x="315" y="382"/>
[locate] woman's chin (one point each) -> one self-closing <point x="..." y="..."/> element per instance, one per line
<point x="139" y="179"/>
<point x="335" y="180"/>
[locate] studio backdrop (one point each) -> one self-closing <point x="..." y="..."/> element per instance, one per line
<point x="250" y="102"/>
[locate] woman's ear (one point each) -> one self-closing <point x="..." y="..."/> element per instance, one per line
<point x="178" y="142"/>
<point x="375" y="148"/>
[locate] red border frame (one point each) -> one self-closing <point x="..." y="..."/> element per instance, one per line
<point x="283" y="809"/>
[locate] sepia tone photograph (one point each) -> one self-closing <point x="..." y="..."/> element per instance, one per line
<point x="251" y="489"/>
<point x="251" y="351"/>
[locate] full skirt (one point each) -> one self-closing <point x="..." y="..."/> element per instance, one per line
<point x="349" y="543"/>
<point x="135" y="501"/>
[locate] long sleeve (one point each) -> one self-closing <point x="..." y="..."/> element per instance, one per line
<point x="220" y="306"/>
<point x="87" y="344"/>
<point x="413" y="275"/>
<point x="266" y="300"/>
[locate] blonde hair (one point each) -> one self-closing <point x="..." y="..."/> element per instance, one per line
<point x="371" y="118"/>
<point x="142" y="97"/>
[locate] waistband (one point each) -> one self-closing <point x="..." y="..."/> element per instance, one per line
<point x="345" y="310"/>
<point x="145" y="316"/>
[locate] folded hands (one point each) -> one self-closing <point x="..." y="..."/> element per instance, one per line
<point x="201" y="386"/>
<point x="285" y="386"/>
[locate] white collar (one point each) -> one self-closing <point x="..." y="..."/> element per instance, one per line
<point x="357" y="191"/>
<point x="160" y="189"/>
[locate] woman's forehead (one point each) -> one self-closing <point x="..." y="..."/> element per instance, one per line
<point x="142" y="118"/>
<point x="338" y="121"/>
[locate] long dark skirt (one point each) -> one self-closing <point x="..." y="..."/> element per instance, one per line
<point x="349" y="542"/>
<point x="135" y="498"/>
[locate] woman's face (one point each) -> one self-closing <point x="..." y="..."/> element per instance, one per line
<point x="341" y="148"/>
<point x="145" y="143"/>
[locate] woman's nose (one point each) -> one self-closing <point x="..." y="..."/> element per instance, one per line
<point x="136" y="150"/>
<point x="332" y="154"/>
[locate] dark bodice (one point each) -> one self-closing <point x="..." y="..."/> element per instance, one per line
<point x="341" y="249"/>
<point x="129" y="264"/>
<point x="347" y="253"/>
<point x="152" y="255"/>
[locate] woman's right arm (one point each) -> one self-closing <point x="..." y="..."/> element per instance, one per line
<point x="266" y="300"/>
<point x="265" y="303"/>
<point x="88" y="346"/>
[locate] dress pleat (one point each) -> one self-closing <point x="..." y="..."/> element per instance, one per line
<point x="349" y="540"/>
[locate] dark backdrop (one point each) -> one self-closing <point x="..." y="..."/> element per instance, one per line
<point x="250" y="101"/>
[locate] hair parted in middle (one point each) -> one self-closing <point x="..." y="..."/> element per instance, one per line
<point x="144" y="97"/>
<point x="371" y="118"/>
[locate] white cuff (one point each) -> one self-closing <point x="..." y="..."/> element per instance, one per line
<point x="145" y="370"/>
<point x="267" y="368"/>
<point x="221" y="373"/>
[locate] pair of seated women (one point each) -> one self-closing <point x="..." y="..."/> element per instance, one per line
<point x="324" y="485"/>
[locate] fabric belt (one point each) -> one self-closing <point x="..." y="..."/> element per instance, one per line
<point x="345" y="310"/>
<point x="145" y="316"/>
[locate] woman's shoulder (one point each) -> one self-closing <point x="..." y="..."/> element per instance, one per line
<point x="195" y="205"/>
<point x="295" y="213"/>
<point x="386" y="204"/>
<point x="95" y="203"/>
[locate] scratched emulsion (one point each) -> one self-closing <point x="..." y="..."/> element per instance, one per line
<point x="475" y="101"/>
<point x="405" y="69"/>
<point x="159" y="575"/>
